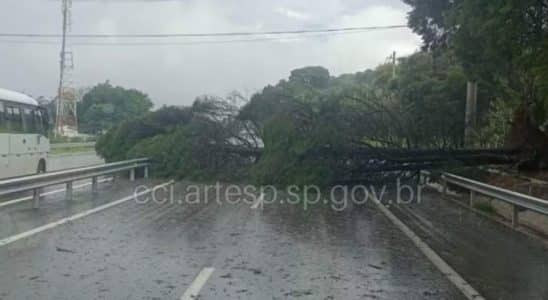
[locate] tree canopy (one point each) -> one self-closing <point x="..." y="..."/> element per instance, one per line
<point x="105" y="105"/>
<point x="500" y="44"/>
<point x="272" y="137"/>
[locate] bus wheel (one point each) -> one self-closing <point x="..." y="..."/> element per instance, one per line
<point x="41" y="167"/>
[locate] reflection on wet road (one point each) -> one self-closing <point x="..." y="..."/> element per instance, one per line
<point x="157" y="251"/>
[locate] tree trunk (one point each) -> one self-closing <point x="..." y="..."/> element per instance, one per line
<point x="530" y="139"/>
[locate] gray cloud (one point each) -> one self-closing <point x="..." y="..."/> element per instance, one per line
<point x="176" y="74"/>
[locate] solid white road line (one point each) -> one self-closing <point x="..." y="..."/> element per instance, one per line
<point x="48" y="226"/>
<point x="2" y="204"/>
<point x="258" y="202"/>
<point x="194" y="289"/>
<point x="468" y="290"/>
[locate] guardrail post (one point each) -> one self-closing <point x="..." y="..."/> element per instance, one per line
<point x="472" y="198"/>
<point x="515" y="216"/>
<point x="531" y="189"/>
<point x="94" y="184"/>
<point x="146" y="172"/>
<point x="69" y="190"/>
<point x="36" y="198"/>
<point x="132" y="174"/>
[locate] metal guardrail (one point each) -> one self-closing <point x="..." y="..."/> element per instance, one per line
<point x="518" y="201"/>
<point x="530" y="183"/>
<point x="72" y="145"/>
<point x="530" y="180"/>
<point x="36" y="182"/>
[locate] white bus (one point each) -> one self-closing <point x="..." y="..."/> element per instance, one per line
<point x="24" y="145"/>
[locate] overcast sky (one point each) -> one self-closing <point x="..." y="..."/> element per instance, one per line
<point x="176" y="74"/>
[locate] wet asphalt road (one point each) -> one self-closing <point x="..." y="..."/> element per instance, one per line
<point x="72" y="160"/>
<point x="155" y="251"/>
<point x="499" y="262"/>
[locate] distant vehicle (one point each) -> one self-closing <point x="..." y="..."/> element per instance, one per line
<point x="24" y="145"/>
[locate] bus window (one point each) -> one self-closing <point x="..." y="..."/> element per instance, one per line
<point x="3" y="128"/>
<point x="40" y="121"/>
<point x="45" y="119"/>
<point x="14" y="120"/>
<point x="28" y="120"/>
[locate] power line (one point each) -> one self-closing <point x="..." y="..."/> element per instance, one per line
<point x="179" y="43"/>
<point x="215" y="34"/>
<point x="126" y="1"/>
<point x="123" y="1"/>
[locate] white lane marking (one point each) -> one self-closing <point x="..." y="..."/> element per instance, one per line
<point x="194" y="289"/>
<point x="258" y="202"/>
<point x="48" y="226"/>
<point x="15" y="201"/>
<point x="468" y="290"/>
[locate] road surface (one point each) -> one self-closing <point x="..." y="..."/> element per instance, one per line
<point x="498" y="261"/>
<point x="72" y="160"/>
<point x="240" y="250"/>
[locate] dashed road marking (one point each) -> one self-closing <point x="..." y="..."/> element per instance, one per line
<point x="194" y="289"/>
<point x="48" y="226"/>
<point x="259" y="202"/>
<point x="15" y="201"/>
<point x="468" y="290"/>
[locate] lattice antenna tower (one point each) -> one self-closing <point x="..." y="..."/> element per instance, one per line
<point x="66" y="123"/>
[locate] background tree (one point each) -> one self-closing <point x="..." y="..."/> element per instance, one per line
<point x="502" y="45"/>
<point x="429" y="19"/>
<point x="106" y="105"/>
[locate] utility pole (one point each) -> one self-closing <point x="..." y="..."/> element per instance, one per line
<point x="66" y="117"/>
<point x="470" y="118"/>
